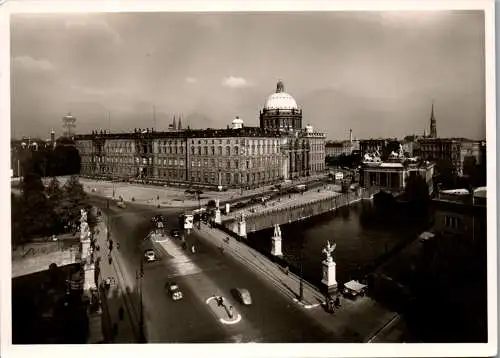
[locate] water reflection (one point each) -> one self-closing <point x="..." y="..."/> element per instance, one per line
<point x="362" y="232"/>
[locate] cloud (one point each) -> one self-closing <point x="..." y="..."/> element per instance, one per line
<point x="29" y="63"/>
<point x="191" y="79"/>
<point x="235" y="82"/>
<point x="93" y="24"/>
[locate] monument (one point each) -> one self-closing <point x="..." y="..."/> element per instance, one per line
<point x="276" y="242"/>
<point x="329" y="269"/>
<point x="242" y="226"/>
<point x="87" y="255"/>
<point x="218" y="219"/>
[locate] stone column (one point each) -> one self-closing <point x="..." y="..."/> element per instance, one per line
<point x="227" y="208"/>
<point x="276" y="242"/>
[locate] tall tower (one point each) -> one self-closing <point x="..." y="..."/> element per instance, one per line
<point x="69" y="125"/>
<point x="433" y="133"/>
<point x="350" y="136"/>
<point x="179" y="125"/>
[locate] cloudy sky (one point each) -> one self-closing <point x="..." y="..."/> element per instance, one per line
<point x="374" y="72"/>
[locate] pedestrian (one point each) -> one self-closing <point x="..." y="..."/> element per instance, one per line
<point x="287" y="270"/>
<point x="230" y="311"/>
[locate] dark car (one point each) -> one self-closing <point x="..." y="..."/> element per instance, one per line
<point x="176" y="234"/>
<point x="242" y="295"/>
<point x="174" y="291"/>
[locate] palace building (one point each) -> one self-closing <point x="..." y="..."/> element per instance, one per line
<point x="239" y="156"/>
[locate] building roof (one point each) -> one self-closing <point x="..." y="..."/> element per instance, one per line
<point x="391" y="165"/>
<point x="280" y="99"/>
<point x="188" y="133"/>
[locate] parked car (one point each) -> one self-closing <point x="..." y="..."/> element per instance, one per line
<point x="149" y="255"/>
<point x="242" y="295"/>
<point x="174" y="291"/>
<point x="121" y="204"/>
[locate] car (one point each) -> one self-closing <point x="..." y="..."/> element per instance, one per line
<point x="149" y="255"/>
<point x="121" y="205"/>
<point x="176" y="234"/>
<point x="242" y="295"/>
<point x="174" y="291"/>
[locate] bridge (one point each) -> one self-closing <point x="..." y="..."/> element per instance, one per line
<point x="256" y="221"/>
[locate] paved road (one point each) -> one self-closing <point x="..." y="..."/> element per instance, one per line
<point x="272" y="317"/>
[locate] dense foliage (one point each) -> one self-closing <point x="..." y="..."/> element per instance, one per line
<point x="64" y="159"/>
<point x="344" y="160"/>
<point x="41" y="211"/>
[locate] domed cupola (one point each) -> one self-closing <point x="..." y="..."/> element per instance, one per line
<point x="281" y="112"/>
<point x="280" y="99"/>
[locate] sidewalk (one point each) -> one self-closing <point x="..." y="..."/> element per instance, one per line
<point x="171" y="196"/>
<point x="289" y="283"/>
<point x="113" y="298"/>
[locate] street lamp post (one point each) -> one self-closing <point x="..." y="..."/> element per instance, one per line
<point x="301" y="287"/>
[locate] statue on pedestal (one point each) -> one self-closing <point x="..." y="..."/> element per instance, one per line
<point x="83" y="214"/>
<point x="328" y="251"/>
<point x="276" y="241"/>
<point x="329" y="268"/>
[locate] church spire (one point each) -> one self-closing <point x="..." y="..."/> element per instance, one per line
<point x="433" y="130"/>
<point x="179" y="125"/>
<point x="173" y="124"/>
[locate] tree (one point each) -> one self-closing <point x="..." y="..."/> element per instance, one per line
<point x="446" y="174"/>
<point x="74" y="199"/>
<point x="416" y="190"/>
<point x="35" y="208"/>
<point x="55" y="198"/>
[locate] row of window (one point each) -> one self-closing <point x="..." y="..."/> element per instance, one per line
<point x="226" y="178"/>
<point x="230" y="178"/>
<point x="256" y="163"/>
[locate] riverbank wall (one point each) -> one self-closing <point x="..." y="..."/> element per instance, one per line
<point x="281" y="216"/>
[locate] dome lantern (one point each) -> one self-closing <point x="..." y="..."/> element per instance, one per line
<point x="237" y="123"/>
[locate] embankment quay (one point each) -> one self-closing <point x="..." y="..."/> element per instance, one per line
<point x="291" y="208"/>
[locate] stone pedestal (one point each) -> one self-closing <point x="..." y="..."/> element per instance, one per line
<point x="276" y="246"/>
<point x="242" y="228"/>
<point x="329" y="276"/>
<point x="228" y="207"/>
<point x="89" y="279"/>
<point x="218" y="219"/>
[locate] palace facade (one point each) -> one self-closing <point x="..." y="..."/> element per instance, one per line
<point x="237" y="157"/>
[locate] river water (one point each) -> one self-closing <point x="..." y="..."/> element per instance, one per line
<point x="361" y="232"/>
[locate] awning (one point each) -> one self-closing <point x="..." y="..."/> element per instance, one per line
<point x="355" y="286"/>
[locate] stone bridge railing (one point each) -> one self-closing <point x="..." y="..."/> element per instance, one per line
<point x="280" y="216"/>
